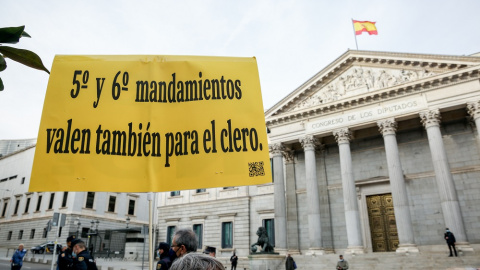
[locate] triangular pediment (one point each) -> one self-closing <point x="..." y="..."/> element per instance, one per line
<point x="357" y="73"/>
<point x="358" y="80"/>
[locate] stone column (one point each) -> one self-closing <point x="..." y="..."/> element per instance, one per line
<point x="352" y="215"/>
<point x="446" y="187"/>
<point x="313" y="199"/>
<point x="291" y="190"/>
<point x="279" y="197"/>
<point x="388" y="127"/>
<point x="473" y="109"/>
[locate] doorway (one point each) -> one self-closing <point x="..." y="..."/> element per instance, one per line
<point x="383" y="228"/>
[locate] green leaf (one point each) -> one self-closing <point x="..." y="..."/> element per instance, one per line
<point x="1" y="85"/>
<point x="25" y="57"/>
<point x="3" y="64"/>
<point x="25" y="34"/>
<point x="11" y="34"/>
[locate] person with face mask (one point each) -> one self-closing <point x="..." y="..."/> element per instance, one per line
<point x="81" y="258"/>
<point x="164" y="254"/>
<point x="450" y="238"/>
<point x="342" y="264"/>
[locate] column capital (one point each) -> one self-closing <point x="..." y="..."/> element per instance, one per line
<point x="430" y="118"/>
<point x="309" y="142"/>
<point x="473" y="109"/>
<point x="387" y="126"/>
<point x="343" y="135"/>
<point x="289" y="155"/>
<point x="276" y="149"/>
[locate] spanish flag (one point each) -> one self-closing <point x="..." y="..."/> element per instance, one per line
<point x="364" y="26"/>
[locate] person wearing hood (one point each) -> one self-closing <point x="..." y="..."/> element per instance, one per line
<point x="164" y="253"/>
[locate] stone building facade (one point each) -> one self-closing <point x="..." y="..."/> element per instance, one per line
<point x="377" y="152"/>
<point x="24" y="215"/>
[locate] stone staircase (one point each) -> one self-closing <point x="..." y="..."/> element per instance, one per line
<point x="391" y="260"/>
<point x="379" y="260"/>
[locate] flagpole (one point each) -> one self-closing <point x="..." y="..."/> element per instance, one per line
<point x="355" y="34"/>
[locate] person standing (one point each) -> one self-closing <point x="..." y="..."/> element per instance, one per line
<point x="290" y="263"/>
<point x="65" y="259"/>
<point x="81" y="257"/>
<point x="342" y="264"/>
<point x="163" y="252"/>
<point x="234" y="261"/>
<point x="17" y="258"/>
<point x="450" y="238"/>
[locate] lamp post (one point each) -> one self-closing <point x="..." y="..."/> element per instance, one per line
<point x="93" y="231"/>
<point x="78" y="226"/>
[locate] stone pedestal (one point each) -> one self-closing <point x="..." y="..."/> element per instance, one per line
<point x="266" y="261"/>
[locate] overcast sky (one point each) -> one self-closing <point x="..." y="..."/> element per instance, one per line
<point x="292" y="40"/>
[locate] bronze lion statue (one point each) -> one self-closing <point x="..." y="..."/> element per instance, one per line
<point x="262" y="241"/>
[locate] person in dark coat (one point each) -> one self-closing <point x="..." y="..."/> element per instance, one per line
<point x="234" y="261"/>
<point x="450" y="238"/>
<point x="81" y="257"/>
<point x="165" y="260"/>
<point x="289" y="263"/>
<point x="65" y="260"/>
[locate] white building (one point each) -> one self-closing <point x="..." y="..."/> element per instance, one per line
<point x="24" y="215"/>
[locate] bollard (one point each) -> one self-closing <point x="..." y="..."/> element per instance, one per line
<point x="110" y="268"/>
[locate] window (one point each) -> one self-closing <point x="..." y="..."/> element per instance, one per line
<point x="52" y="199"/>
<point x="27" y="205"/>
<point x="201" y="190"/>
<point x="9" y="237"/>
<point x="45" y="233"/>
<point x="170" y="233"/>
<point x="20" y="235"/>
<point x="39" y="202"/>
<point x="4" y="209"/>
<point x="65" y="197"/>
<point x="111" y="204"/>
<point x="197" y="228"/>
<point x="23" y="180"/>
<point x="12" y="177"/>
<point x="175" y="193"/>
<point x="17" y="203"/>
<point x="90" y="200"/>
<point x="32" y="234"/>
<point x="131" y="207"/>
<point x="227" y="235"/>
<point x="85" y="232"/>
<point x="269" y="225"/>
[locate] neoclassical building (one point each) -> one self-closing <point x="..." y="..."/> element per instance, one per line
<point x="378" y="151"/>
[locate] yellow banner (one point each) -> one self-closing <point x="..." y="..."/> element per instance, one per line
<point x="151" y="124"/>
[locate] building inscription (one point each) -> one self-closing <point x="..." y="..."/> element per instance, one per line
<point x="373" y="113"/>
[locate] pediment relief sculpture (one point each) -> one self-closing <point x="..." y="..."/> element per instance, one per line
<point x="359" y="80"/>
